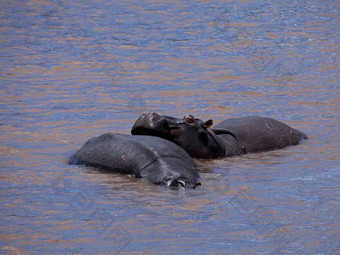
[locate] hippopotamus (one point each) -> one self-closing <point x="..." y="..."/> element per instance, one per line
<point x="233" y="136"/>
<point x="155" y="159"/>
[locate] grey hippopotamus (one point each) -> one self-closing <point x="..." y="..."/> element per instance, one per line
<point x="155" y="159"/>
<point x="231" y="137"/>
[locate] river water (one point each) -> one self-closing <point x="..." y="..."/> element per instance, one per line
<point x="74" y="70"/>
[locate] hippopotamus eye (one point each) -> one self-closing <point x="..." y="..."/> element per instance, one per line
<point x="165" y="125"/>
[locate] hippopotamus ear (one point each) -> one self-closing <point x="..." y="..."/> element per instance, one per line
<point x="207" y="124"/>
<point x="189" y="118"/>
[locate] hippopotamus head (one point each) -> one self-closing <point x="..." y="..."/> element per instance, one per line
<point x="193" y="135"/>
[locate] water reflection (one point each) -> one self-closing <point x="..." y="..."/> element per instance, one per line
<point x="73" y="70"/>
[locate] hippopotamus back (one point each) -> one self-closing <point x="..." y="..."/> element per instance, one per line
<point x="153" y="158"/>
<point x="254" y="133"/>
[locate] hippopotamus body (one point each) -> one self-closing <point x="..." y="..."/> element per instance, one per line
<point x="231" y="137"/>
<point x="156" y="159"/>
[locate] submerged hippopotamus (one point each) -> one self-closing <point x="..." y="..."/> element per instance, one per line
<point x="231" y="137"/>
<point x="153" y="158"/>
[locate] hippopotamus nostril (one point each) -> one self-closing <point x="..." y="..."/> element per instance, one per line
<point x="153" y="114"/>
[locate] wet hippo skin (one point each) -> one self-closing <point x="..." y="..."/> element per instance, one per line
<point x="231" y="137"/>
<point x="155" y="159"/>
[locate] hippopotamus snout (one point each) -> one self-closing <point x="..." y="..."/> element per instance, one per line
<point x="149" y="120"/>
<point x="150" y="117"/>
<point x="155" y="125"/>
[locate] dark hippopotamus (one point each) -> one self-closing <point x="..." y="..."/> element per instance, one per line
<point x="153" y="158"/>
<point x="231" y="137"/>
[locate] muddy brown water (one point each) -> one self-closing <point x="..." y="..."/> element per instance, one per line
<point x="73" y="70"/>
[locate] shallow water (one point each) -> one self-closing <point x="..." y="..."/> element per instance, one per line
<point x="70" y="71"/>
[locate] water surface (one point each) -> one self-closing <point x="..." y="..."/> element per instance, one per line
<point x="70" y="71"/>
